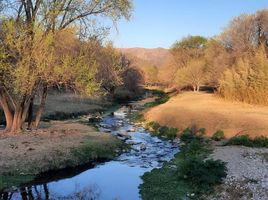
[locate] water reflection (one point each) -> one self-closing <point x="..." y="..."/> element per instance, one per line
<point x="41" y="192"/>
<point x="28" y="193"/>
<point x="117" y="179"/>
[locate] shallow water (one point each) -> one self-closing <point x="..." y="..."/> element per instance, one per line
<point x="116" y="179"/>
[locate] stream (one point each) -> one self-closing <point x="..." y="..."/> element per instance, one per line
<point x="118" y="179"/>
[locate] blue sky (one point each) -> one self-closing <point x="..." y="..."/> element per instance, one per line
<point x="159" y="23"/>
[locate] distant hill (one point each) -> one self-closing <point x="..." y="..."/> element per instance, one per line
<point x="143" y="57"/>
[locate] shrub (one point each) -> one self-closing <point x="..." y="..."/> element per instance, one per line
<point x="153" y="126"/>
<point x="189" y="172"/>
<point x="163" y="130"/>
<point x="187" y="135"/>
<point x="201" y="174"/>
<point x="158" y="93"/>
<point x="162" y="98"/>
<point x="171" y="133"/>
<point x="202" y="131"/>
<point x="156" y="128"/>
<point x="196" y="171"/>
<point x="219" y="135"/>
<point x="195" y="147"/>
<point x="138" y="117"/>
<point x="157" y="102"/>
<point x="245" y="140"/>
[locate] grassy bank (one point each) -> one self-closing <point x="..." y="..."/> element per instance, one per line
<point x="190" y="175"/>
<point x="61" y="106"/>
<point x="203" y="110"/>
<point x="58" y="146"/>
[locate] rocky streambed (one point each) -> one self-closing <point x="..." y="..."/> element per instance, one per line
<point x="116" y="179"/>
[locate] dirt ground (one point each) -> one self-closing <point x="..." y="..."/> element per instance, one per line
<point x="203" y="110"/>
<point x="56" y="145"/>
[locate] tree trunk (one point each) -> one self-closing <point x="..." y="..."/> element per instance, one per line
<point x="197" y="88"/>
<point x="20" y="114"/>
<point x="46" y="191"/>
<point x="41" y="107"/>
<point x="8" y="113"/>
<point x="30" y="114"/>
<point x="16" y="125"/>
<point x="194" y="87"/>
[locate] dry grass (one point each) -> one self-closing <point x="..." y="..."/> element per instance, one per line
<point x="202" y="110"/>
<point x="71" y="103"/>
<point x="51" y="143"/>
<point x="65" y="105"/>
<point x="56" y="145"/>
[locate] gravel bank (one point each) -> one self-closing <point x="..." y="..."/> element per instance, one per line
<point x="247" y="177"/>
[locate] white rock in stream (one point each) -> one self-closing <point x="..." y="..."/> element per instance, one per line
<point x="132" y="130"/>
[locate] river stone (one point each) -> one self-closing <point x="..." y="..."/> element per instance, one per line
<point x="142" y="147"/>
<point x="177" y="141"/>
<point x="132" y="130"/>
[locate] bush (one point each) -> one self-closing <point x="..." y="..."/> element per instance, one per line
<point x="158" y="93"/>
<point x="162" y="98"/>
<point x="157" y="129"/>
<point x="198" y="172"/>
<point x="201" y="174"/>
<point x="219" y="135"/>
<point x="171" y="133"/>
<point x="189" y="172"/>
<point x="195" y="147"/>
<point x="138" y="117"/>
<point x="153" y="126"/>
<point x="187" y="135"/>
<point x="163" y="130"/>
<point x="245" y="140"/>
<point x="157" y="102"/>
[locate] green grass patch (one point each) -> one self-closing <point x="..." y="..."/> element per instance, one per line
<point x="163" y="131"/>
<point x="190" y="175"/>
<point x="245" y="140"/>
<point x="188" y="135"/>
<point x="157" y="102"/>
<point x="162" y="98"/>
<point x="137" y="117"/>
<point x="218" y="136"/>
<point x="13" y="179"/>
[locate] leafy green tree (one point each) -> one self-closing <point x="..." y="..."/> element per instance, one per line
<point x="30" y="61"/>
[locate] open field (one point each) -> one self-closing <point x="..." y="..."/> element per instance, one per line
<point x="203" y="110"/>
